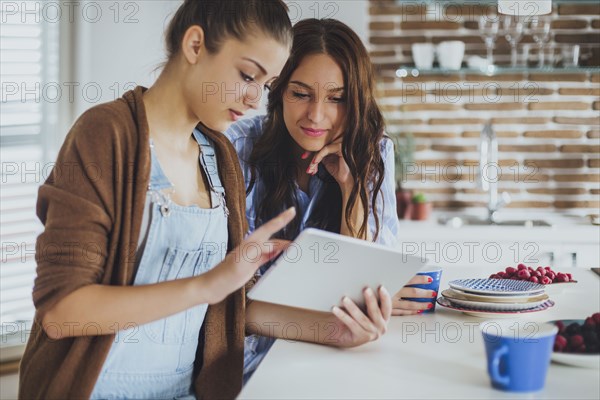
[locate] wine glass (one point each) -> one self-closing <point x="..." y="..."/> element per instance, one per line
<point x="513" y="32"/>
<point x="488" y="27"/>
<point x="539" y="28"/>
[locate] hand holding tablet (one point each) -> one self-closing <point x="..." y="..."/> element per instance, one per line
<point x="319" y="268"/>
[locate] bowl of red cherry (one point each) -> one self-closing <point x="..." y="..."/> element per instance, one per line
<point x="555" y="282"/>
<point x="578" y="342"/>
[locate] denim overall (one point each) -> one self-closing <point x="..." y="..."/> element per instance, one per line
<point x="156" y="360"/>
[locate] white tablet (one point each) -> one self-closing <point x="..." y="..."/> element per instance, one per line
<point x="320" y="267"/>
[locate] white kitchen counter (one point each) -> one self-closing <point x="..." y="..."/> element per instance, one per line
<point x="565" y="228"/>
<point x="439" y="356"/>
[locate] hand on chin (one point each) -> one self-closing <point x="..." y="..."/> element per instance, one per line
<point x="338" y="169"/>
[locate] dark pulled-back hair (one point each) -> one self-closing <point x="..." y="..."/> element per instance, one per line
<point x="221" y="19"/>
<point x="272" y="159"/>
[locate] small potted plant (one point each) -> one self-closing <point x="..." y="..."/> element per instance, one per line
<point x="421" y="208"/>
<point x="404" y="148"/>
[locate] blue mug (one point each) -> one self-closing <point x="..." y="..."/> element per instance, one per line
<point x="436" y="275"/>
<point x="518" y="354"/>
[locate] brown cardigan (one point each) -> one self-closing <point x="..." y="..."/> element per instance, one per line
<point x="91" y="207"/>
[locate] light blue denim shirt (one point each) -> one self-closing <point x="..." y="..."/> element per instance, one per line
<point x="245" y="133"/>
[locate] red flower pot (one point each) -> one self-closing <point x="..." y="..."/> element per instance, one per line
<point x="421" y="211"/>
<point x="404" y="203"/>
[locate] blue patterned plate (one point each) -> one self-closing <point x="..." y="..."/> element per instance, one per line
<point x="444" y="302"/>
<point x="498" y="287"/>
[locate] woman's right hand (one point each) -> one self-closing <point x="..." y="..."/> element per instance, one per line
<point x="355" y="327"/>
<point x="241" y="263"/>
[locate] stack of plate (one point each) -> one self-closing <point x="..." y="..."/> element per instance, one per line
<point x="495" y="296"/>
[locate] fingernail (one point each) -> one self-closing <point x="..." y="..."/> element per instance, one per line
<point x="434" y="294"/>
<point x="369" y="291"/>
<point x="304" y="155"/>
<point x="308" y="170"/>
<point x="345" y="299"/>
<point x="429" y="306"/>
<point x="429" y="279"/>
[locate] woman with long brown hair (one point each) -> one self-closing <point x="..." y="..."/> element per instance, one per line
<point x="322" y="149"/>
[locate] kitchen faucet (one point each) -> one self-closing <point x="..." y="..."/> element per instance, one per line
<point x="488" y="166"/>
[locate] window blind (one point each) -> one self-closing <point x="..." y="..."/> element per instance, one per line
<point x="28" y="66"/>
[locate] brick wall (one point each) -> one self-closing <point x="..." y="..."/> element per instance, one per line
<point x="548" y="123"/>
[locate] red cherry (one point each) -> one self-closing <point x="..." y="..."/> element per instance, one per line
<point x="502" y="274"/>
<point x="541" y="271"/>
<point x="575" y="341"/>
<point x="596" y="317"/>
<point x="546" y="280"/>
<point x="561" y="327"/>
<point x="510" y="270"/>
<point x="560" y="343"/>
<point x="548" y="268"/>
<point x="521" y="266"/>
<point x="569" y="276"/>
<point x="589" y="321"/>
<point x="533" y="279"/>
<point x="551" y="275"/>
<point x="523" y="274"/>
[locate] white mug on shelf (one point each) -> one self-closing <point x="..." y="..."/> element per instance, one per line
<point x="451" y="54"/>
<point x="570" y="55"/>
<point x="423" y="55"/>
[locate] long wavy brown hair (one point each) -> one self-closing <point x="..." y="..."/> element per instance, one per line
<point x="272" y="161"/>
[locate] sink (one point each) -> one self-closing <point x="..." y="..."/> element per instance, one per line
<point x="525" y="222"/>
<point x="457" y="222"/>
